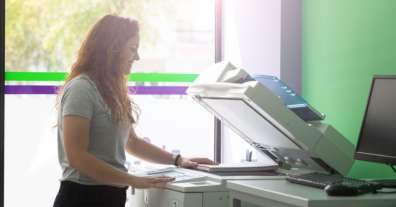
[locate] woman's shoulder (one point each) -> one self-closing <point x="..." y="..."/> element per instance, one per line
<point x="79" y="88"/>
<point x="81" y="82"/>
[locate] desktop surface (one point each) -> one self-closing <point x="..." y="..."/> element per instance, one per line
<point x="288" y="194"/>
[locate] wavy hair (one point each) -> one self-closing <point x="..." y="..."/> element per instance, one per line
<point x="99" y="58"/>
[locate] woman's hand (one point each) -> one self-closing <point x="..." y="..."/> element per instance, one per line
<point x="193" y="162"/>
<point x="150" y="182"/>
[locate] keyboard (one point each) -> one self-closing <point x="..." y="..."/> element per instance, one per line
<point x="321" y="180"/>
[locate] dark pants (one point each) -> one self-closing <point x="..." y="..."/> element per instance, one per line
<point x="72" y="194"/>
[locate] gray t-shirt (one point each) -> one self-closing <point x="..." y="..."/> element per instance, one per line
<point x="106" y="139"/>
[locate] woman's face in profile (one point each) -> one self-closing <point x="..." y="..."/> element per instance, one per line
<point x="129" y="54"/>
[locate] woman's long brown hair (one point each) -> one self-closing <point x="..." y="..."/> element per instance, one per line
<point x="99" y="58"/>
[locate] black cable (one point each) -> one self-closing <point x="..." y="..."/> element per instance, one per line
<point x="393" y="168"/>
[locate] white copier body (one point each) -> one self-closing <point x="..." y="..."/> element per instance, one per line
<point x="260" y="118"/>
<point x="192" y="189"/>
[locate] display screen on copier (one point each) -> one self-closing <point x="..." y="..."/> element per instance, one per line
<point x="248" y="122"/>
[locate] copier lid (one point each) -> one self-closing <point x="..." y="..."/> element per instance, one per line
<point x="249" y="121"/>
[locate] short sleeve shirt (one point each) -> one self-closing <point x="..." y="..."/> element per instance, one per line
<point x="106" y="139"/>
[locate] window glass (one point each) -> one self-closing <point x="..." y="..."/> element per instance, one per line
<point x="45" y="35"/>
<point x="42" y="40"/>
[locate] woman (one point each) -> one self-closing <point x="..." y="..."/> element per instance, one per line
<point x="95" y="122"/>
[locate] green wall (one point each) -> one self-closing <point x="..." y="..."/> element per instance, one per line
<point x="344" y="43"/>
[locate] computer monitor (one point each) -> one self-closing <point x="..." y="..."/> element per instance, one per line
<point x="377" y="139"/>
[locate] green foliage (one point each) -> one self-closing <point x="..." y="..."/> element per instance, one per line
<point x="45" y="35"/>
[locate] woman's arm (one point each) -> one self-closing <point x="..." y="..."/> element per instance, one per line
<point x="149" y="152"/>
<point x="76" y="139"/>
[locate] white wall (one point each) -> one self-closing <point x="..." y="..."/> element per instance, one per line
<point x="263" y="37"/>
<point x="251" y="35"/>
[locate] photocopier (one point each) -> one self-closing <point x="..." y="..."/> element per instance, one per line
<point x="269" y="116"/>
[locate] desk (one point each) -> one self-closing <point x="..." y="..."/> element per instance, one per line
<point x="280" y="193"/>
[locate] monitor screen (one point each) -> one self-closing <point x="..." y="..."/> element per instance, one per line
<point x="377" y="139"/>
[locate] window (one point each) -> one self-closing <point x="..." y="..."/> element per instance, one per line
<point x="42" y="39"/>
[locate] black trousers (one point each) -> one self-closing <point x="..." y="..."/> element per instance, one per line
<point x="73" y="194"/>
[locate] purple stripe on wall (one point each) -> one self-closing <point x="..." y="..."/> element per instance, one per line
<point x="27" y="89"/>
<point x="139" y="90"/>
<point x="159" y="90"/>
